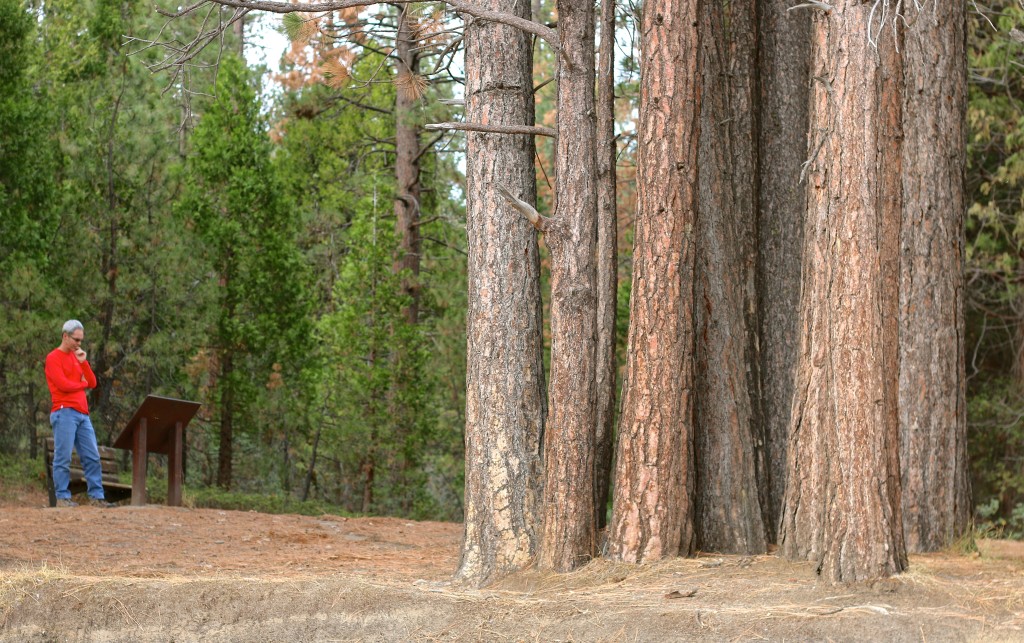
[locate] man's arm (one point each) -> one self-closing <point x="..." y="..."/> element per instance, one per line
<point x="56" y="377"/>
<point x="90" y="377"/>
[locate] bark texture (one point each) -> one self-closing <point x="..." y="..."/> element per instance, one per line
<point x="505" y="379"/>
<point x="728" y="511"/>
<point x="569" y="538"/>
<point x="607" y="262"/>
<point x="652" y="514"/>
<point x="842" y="503"/>
<point x="932" y="407"/>
<point x="784" y="77"/>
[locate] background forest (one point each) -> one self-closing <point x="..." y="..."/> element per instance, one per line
<point x="232" y="235"/>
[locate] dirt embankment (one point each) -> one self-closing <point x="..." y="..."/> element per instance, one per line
<point x="169" y="574"/>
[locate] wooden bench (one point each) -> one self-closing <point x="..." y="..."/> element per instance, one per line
<point x="113" y="488"/>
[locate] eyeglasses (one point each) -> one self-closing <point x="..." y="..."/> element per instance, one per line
<point x="77" y="340"/>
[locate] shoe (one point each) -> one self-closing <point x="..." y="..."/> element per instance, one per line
<point x="100" y="502"/>
<point x="66" y="502"/>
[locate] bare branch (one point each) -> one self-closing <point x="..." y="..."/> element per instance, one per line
<point x="548" y="34"/>
<point x="184" y="11"/>
<point x="524" y="208"/>
<point x="442" y="243"/>
<point x="362" y="105"/>
<point x="540" y="86"/>
<point x="813" y="4"/>
<point x="452" y="46"/>
<point x="429" y="146"/>
<point x="423" y="222"/>
<point x="533" y="130"/>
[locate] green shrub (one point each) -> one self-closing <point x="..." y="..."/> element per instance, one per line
<point x="20" y="471"/>
<point x="996" y="443"/>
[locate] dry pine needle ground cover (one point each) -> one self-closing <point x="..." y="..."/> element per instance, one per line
<point x="172" y="574"/>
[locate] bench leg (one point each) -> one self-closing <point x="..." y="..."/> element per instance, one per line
<point x="174" y="472"/>
<point x="139" y="457"/>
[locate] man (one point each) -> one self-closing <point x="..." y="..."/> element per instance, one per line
<point x="68" y="375"/>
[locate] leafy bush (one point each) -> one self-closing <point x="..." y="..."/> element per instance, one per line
<point x="993" y="523"/>
<point x="19" y="471"/>
<point x="996" y="443"/>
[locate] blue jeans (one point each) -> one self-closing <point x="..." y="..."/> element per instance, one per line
<point x="74" y="429"/>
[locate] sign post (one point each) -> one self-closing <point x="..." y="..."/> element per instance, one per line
<point x="158" y="426"/>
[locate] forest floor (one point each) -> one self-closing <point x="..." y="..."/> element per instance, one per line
<point x="157" y="573"/>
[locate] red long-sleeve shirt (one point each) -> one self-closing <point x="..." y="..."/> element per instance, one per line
<point x="64" y="375"/>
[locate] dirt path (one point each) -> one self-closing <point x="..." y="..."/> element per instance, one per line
<point x="164" y="574"/>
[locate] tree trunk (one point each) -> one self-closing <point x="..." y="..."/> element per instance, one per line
<point x="312" y="466"/>
<point x="368" y="470"/>
<point x="842" y="503"/>
<point x="407" y="165"/>
<point x="728" y="511"/>
<point x="407" y="231"/>
<point x="932" y="406"/>
<point x="570" y="528"/>
<point x="110" y="267"/>
<point x="652" y="511"/>
<point x="784" y="74"/>
<point x="238" y="29"/>
<point x="227" y="419"/>
<point x="33" y="424"/>
<point x="607" y="262"/>
<point x="505" y="404"/>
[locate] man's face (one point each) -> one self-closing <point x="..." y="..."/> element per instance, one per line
<point x="73" y="341"/>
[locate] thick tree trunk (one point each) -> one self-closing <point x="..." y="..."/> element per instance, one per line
<point x="407" y="165"/>
<point x="784" y="77"/>
<point x="728" y="511"/>
<point x="932" y="406"/>
<point x="570" y="530"/>
<point x="652" y="509"/>
<point x="607" y="262"/>
<point x="505" y="404"/>
<point x="842" y="504"/>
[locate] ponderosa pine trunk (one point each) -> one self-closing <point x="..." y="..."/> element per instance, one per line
<point x="783" y="59"/>
<point x="505" y="405"/>
<point x="652" y="510"/>
<point x="932" y="405"/>
<point x="728" y="510"/>
<point x="570" y="529"/>
<point x="842" y="504"/>
<point x="607" y="262"/>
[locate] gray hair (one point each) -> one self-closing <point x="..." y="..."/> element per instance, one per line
<point x="72" y="325"/>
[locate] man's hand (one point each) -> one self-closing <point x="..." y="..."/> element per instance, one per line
<point x="80" y="354"/>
